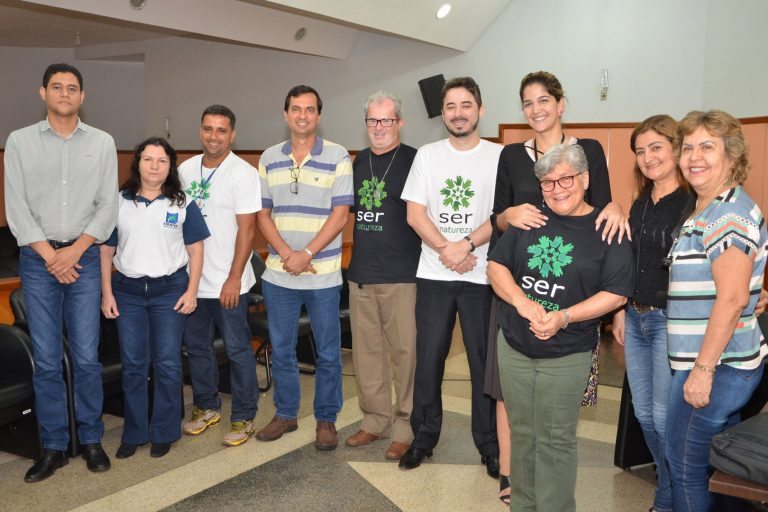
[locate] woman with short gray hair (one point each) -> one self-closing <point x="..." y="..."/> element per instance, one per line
<point x="554" y="283"/>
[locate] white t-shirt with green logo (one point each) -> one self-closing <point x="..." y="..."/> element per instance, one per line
<point x="232" y="190"/>
<point x="457" y="188"/>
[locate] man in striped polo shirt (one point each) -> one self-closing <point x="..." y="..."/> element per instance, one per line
<point x="306" y="186"/>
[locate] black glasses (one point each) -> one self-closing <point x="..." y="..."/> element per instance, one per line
<point x="386" y="123"/>
<point x="564" y="182"/>
<point x="295" y="177"/>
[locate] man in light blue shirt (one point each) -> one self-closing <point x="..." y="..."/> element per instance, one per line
<point x="60" y="201"/>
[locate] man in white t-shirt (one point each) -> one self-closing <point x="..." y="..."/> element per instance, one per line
<point x="226" y="189"/>
<point x="450" y="198"/>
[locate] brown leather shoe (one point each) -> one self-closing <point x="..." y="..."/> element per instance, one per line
<point x="362" y="438"/>
<point x="276" y="428"/>
<point x="326" y="438"/>
<point x="396" y="450"/>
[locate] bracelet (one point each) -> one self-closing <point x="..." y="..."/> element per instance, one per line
<point x="471" y="243"/>
<point x="567" y="318"/>
<point x="306" y="250"/>
<point x="703" y="367"/>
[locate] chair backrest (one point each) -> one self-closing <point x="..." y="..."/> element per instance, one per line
<point x="258" y="268"/>
<point x="18" y="305"/>
<point x="759" y="398"/>
<point x="16" y="361"/>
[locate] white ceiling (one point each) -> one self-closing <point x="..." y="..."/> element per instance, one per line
<point x="331" y="26"/>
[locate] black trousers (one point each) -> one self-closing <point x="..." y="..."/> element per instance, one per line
<point x="437" y="303"/>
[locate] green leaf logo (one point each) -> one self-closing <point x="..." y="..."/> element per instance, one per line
<point x="372" y="193"/>
<point x="197" y="190"/>
<point x="457" y="193"/>
<point x="550" y="256"/>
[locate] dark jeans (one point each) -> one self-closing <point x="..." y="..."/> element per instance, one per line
<point x="77" y="304"/>
<point x="151" y="331"/>
<point x="437" y="303"/>
<point x="203" y="370"/>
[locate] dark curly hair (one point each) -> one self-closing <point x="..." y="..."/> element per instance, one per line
<point x="171" y="188"/>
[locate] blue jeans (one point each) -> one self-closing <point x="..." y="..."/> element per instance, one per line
<point x="283" y="310"/>
<point x="150" y="331"/>
<point x="650" y="377"/>
<point x="77" y="304"/>
<point x="203" y="368"/>
<point x="690" y="431"/>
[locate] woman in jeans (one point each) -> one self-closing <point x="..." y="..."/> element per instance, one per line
<point x="159" y="231"/>
<point x="716" y="349"/>
<point x="662" y="194"/>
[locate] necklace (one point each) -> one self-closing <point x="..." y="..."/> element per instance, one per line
<point x="378" y="185"/>
<point x="536" y="151"/>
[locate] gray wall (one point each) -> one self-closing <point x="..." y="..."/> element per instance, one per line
<point x="662" y="56"/>
<point x="114" y="92"/>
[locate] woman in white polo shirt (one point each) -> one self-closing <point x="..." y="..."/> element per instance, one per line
<point x="159" y="231"/>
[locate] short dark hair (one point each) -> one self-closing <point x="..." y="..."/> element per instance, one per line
<point x="219" y="110"/>
<point x="468" y="83"/>
<point x="297" y="91"/>
<point x="61" y="68"/>
<point x="171" y="188"/>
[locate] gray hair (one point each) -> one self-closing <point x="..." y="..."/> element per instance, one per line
<point x="385" y="95"/>
<point x="572" y="155"/>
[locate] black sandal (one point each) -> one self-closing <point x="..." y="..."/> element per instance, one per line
<point x="504" y="484"/>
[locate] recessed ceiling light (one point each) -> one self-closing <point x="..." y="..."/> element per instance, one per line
<point x="443" y="11"/>
<point x="137" y="4"/>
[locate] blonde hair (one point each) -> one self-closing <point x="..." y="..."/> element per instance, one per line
<point x="724" y="125"/>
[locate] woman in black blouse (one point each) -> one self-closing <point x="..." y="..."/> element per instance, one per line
<point x="518" y="202"/>
<point x="662" y="196"/>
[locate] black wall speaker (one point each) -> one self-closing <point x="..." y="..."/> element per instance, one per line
<point x="432" y="92"/>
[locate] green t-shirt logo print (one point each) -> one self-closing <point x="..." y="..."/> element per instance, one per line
<point x="457" y="193"/>
<point x="198" y="191"/>
<point x="550" y="255"/>
<point x="372" y="193"/>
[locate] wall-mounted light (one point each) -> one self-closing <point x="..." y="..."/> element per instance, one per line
<point x="443" y="11"/>
<point x="604" y="84"/>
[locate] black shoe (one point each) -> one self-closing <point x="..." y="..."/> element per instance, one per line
<point x="95" y="457"/>
<point x="159" y="449"/>
<point x="413" y="458"/>
<point x="491" y="463"/>
<point x="125" y="450"/>
<point x="46" y="465"/>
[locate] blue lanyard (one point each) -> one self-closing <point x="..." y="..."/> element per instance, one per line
<point x="205" y="181"/>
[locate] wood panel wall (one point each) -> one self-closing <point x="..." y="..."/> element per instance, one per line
<point x="614" y="138"/>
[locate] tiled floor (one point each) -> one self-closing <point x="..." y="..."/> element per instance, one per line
<point x="289" y="474"/>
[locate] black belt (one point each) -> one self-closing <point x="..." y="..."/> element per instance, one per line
<point x="56" y="244"/>
<point x="643" y="308"/>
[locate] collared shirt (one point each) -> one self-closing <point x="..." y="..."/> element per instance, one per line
<point x="59" y="188"/>
<point x="151" y="236"/>
<point x="323" y="181"/>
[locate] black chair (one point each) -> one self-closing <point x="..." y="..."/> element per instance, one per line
<point x="259" y="323"/>
<point x="19" y="309"/>
<point x="344" y="319"/>
<point x="19" y="430"/>
<point x="630" y="449"/>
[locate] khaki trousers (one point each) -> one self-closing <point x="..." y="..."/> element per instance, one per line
<point x="383" y="318"/>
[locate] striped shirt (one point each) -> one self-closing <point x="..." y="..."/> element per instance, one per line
<point x="301" y="197"/>
<point x="731" y="220"/>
